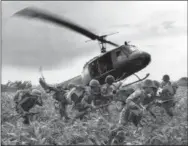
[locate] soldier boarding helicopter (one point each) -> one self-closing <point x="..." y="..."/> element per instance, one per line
<point x="120" y="62"/>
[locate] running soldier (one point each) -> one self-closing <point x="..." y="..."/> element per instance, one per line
<point x="84" y="101"/>
<point x="25" y="100"/>
<point x="167" y="92"/>
<point x="134" y="104"/>
<point x="90" y="98"/>
<point x="59" y="95"/>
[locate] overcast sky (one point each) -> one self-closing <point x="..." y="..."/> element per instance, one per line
<point x="159" y="28"/>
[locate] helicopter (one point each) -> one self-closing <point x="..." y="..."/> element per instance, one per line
<point x="120" y="62"/>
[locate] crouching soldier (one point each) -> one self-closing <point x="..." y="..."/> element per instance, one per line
<point x="133" y="109"/>
<point x="25" y="101"/>
<point x="166" y="93"/>
<point x="83" y="99"/>
<point x="59" y="95"/>
<point x="107" y="92"/>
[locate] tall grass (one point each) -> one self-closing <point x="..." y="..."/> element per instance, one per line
<point x="47" y="129"/>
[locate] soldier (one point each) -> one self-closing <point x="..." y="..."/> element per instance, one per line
<point x="59" y="95"/>
<point x="175" y="87"/>
<point x="157" y="85"/>
<point x="166" y="94"/>
<point x="25" y="100"/>
<point x="107" y="88"/>
<point x="108" y="91"/>
<point x="111" y="85"/>
<point x="166" y="81"/>
<point x="21" y="93"/>
<point x="134" y="104"/>
<point x="84" y="102"/>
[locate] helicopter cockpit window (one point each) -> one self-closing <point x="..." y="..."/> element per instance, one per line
<point x="120" y="55"/>
<point x="101" y="65"/>
<point x="129" y="49"/>
<point x="133" y="48"/>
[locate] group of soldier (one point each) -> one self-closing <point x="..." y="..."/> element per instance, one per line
<point x="85" y="99"/>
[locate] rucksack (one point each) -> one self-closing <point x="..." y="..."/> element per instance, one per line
<point x="20" y="95"/>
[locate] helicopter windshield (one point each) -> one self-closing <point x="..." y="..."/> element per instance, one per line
<point x="129" y="49"/>
<point x="133" y="48"/>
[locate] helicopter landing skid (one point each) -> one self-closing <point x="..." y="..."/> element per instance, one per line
<point x="139" y="80"/>
<point x="122" y="77"/>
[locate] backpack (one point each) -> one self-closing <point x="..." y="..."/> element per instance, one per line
<point x="20" y="95"/>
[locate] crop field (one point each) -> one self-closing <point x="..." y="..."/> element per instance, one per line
<point x="47" y="129"/>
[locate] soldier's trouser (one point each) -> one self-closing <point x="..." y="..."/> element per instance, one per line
<point x="148" y="108"/>
<point x="168" y="108"/>
<point x="135" y="118"/>
<point x="63" y="111"/>
<point x="124" y="116"/>
<point x="26" y="119"/>
<point x="127" y="114"/>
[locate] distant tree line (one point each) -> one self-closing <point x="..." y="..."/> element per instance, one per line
<point x="18" y="84"/>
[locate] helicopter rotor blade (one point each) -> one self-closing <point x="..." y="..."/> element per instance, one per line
<point x="103" y="36"/>
<point x="88" y="41"/>
<point x="109" y="34"/>
<point x="111" y="43"/>
<point x="47" y="16"/>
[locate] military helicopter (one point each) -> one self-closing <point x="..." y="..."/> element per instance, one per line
<point x="121" y="62"/>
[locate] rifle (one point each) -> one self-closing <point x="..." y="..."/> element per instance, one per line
<point x="80" y="114"/>
<point x="40" y="70"/>
<point x="27" y="114"/>
<point x="139" y="79"/>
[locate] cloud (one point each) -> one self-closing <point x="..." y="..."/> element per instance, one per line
<point x="154" y="26"/>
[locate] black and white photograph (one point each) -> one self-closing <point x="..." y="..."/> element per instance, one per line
<point x="94" y="73"/>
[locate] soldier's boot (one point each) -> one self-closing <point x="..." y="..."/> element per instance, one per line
<point x="168" y="109"/>
<point x="113" y="133"/>
<point x="169" y="112"/>
<point x="64" y="114"/>
<point x="66" y="117"/>
<point x="124" y="117"/>
<point x="26" y="120"/>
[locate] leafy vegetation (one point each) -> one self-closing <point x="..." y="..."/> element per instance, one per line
<point x="47" y="129"/>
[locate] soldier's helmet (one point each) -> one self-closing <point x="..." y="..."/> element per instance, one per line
<point x="70" y="86"/>
<point x="148" y="84"/>
<point x="94" y="83"/>
<point x="156" y="83"/>
<point x="36" y="92"/>
<point x="109" y="79"/>
<point x="175" y="85"/>
<point x="28" y="85"/>
<point x="59" y="87"/>
<point x="166" y="78"/>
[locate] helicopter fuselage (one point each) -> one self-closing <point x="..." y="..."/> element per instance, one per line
<point x="125" y="60"/>
<point x="121" y="61"/>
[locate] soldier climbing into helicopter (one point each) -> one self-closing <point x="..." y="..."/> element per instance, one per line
<point x="25" y="100"/>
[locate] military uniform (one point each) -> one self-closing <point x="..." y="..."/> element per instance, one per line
<point x="131" y="102"/>
<point x="83" y="103"/>
<point x="134" y="104"/>
<point x="59" y="96"/>
<point x="28" y="99"/>
<point x="166" y="95"/>
<point x="90" y="98"/>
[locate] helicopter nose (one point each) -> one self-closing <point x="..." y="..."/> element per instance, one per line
<point x="140" y="59"/>
<point x="146" y="58"/>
